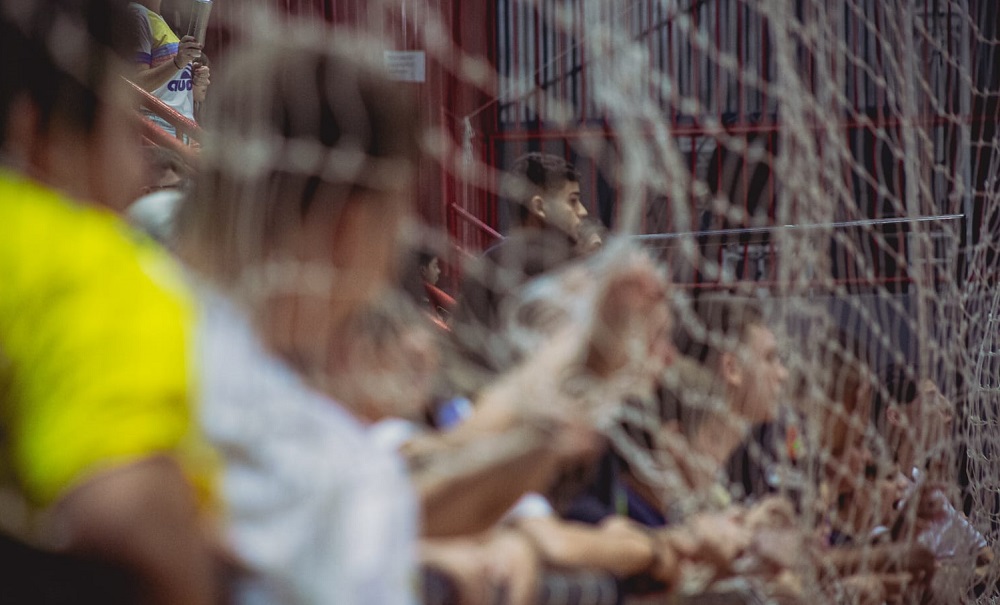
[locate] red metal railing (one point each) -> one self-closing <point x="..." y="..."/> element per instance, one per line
<point x="184" y="128"/>
<point x="181" y="124"/>
<point x="478" y="224"/>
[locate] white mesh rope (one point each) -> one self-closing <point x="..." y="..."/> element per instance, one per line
<point x="835" y="159"/>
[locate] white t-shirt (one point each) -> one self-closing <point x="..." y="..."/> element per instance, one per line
<point x="157" y="45"/>
<point x="316" y="509"/>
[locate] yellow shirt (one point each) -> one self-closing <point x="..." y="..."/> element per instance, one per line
<point x="95" y="333"/>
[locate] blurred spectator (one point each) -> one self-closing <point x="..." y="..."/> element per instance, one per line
<point x="430" y="268"/>
<point x="166" y="66"/>
<point x="98" y="448"/>
<point x="420" y="280"/>
<point x="167" y="181"/>
<point x="544" y="193"/>
<point x="317" y="510"/>
<point x="165" y="170"/>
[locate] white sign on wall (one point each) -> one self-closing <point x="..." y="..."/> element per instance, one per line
<point x="406" y="65"/>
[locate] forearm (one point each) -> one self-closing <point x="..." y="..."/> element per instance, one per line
<point x="576" y="546"/>
<point x="151" y="78"/>
<point x="848" y="560"/>
<point x="467" y="489"/>
<point x="143" y="518"/>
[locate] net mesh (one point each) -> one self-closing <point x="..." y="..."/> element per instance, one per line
<point x="834" y="160"/>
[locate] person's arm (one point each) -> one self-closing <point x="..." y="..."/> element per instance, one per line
<point x="150" y="78"/>
<point x="617" y="546"/>
<point x="528" y="425"/>
<point x="486" y="566"/>
<point x="142" y="517"/>
<point x="106" y="407"/>
<point x="201" y="82"/>
<point x="466" y="487"/>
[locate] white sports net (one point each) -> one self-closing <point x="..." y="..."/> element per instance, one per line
<point x="836" y="160"/>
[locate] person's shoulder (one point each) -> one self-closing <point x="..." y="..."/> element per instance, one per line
<point x="252" y="397"/>
<point x="53" y="239"/>
<point x="142" y="14"/>
<point x="155" y="25"/>
<point x="90" y="316"/>
<point x="77" y="271"/>
<point x="531" y="252"/>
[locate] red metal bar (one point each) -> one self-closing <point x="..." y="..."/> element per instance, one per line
<point x="161" y="109"/>
<point x="159" y="137"/>
<point x="475" y="221"/>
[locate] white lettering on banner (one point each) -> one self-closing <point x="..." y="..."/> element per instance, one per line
<point x="406" y="65"/>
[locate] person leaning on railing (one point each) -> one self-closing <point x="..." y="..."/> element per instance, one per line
<point x="168" y="67"/>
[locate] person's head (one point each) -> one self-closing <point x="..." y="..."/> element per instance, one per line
<point x="546" y="191"/>
<point x="164" y="170"/>
<point x="305" y="184"/>
<point x="730" y="336"/>
<point x="67" y="119"/>
<point x="303" y="187"/>
<point x="430" y="267"/>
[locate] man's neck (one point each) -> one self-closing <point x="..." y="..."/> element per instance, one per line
<point x="718" y="437"/>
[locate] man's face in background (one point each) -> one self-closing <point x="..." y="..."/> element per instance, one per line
<point x="564" y="209"/>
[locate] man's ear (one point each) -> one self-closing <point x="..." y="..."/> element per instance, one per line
<point x="732" y="371"/>
<point x="536" y="206"/>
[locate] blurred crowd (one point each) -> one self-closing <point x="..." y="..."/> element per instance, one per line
<point x="250" y="385"/>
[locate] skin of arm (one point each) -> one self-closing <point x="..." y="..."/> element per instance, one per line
<point x="150" y="78"/>
<point x="201" y="82"/>
<point x="143" y="518"/>
<point x="480" y="564"/>
<point x="617" y="546"/>
<point x="527" y="427"/>
<point x="467" y="487"/>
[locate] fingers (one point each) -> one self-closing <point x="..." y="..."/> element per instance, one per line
<point x="188" y="49"/>
<point x="632" y="309"/>
<point x="201" y="76"/>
